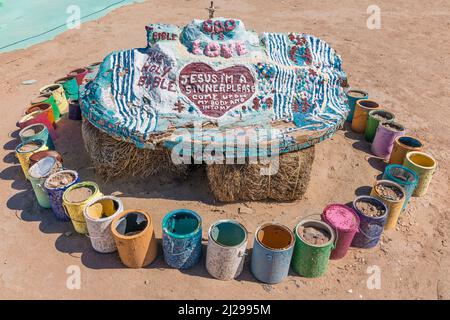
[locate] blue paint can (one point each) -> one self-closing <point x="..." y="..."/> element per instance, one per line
<point x="371" y="225"/>
<point x="404" y="176"/>
<point x="182" y="238"/>
<point x="272" y="252"/>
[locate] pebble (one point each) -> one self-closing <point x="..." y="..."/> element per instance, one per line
<point x="350" y="291"/>
<point x="28" y="82"/>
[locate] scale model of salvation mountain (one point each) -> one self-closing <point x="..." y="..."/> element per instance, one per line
<point x="219" y="74"/>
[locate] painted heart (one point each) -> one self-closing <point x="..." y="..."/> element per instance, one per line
<point x="216" y="92"/>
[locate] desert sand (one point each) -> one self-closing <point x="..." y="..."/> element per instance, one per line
<point x="405" y="66"/>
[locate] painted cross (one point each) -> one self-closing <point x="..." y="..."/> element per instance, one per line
<point x="179" y="106"/>
<point x="211" y="10"/>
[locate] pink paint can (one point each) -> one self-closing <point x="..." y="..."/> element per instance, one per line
<point x="79" y="74"/>
<point x="346" y="223"/>
<point x="383" y="143"/>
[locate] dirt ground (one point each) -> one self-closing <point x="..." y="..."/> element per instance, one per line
<point x="405" y="66"/>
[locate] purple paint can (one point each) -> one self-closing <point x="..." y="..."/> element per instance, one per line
<point x="55" y="185"/>
<point x="345" y="221"/>
<point x="383" y="143"/>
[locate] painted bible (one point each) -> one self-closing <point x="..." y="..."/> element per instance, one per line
<point x="216" y="74"/>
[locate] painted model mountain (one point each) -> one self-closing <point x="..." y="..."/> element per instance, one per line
<point x="217" y="73"/>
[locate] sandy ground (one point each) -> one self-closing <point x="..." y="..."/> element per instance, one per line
<point x="404" y="65"/>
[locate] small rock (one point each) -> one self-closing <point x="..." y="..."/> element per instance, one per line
<point x="146" y="282"/>
<point x="267" y="287"/>
<point x="350" y="291"/>
<point x="245" y="210"/>
<point x="360" y="296"/>
<point x="28" y="82"/>
<point x="68" y="233"/>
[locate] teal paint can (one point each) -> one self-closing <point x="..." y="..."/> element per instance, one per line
<point x="70" y="86"/>
<point x="354" y="95"/>
<point x="37" y="131"/>
<point x="405" y="177"/>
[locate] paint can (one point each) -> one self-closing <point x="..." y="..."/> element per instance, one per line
<point x="37" y="117"/>
<point x="48" y="98"/>
<point x="345" y="221"/>
<point x="354" y="95"/>
<point x="272" y="252"/>
<point x="70" y="86"/>
<point x="134" y="236"/>
<point x="99" y="214"/>
<point x="45" y="107"/>
<point x="182" y="238"/>
<point x="362" y="109"/>
<point x="75" y="199"/>
<point x="310" y="259"/>
<point x="424" y="165"/>
<point x="373" y="120"/>
<point x="38" y="173"/>
<point x="79" y="74"/>
<point x="24" y="151"/>
<point x="372" y="214"/>
<point x="37" y="131"/>
<point x="393" y="196"/>
<point x="227" y="245"/>
<point x="35" y="157"/>
<point x="403" y="145"/>
<point x="74" y="110"/>
<point x="57" y="91"/>
<point x="383" y="142"/>
<point x="55" y="185"/>
<point x="405" y="177"/>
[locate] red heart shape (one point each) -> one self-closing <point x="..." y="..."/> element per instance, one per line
<point x="216" y="92"/>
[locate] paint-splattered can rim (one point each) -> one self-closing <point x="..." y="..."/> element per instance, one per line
<point x="228" y="221"/>
<point x="95" y="193"/>
<point x="365" y="93"/>
<point x="389" y="183"/>
<point x="373" y="199"/>
<point x="423" y="154"/>
<point x="280" y="226"/>
<point x="327" y="219"/>
<point x="181" y="236"/>
<point x="111" y="217"/>
<point x="322" y="224"/>
<point x="396" y="179"/>
<point x="48" y="89"/>
<point x="40" y="143"/>
<point x="73" y="172"/>
<point x="41" y="125"/>
<point x="119" y="215"/>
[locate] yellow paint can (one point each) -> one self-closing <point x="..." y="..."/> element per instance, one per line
<point x="384" y="190"/>
<point x="425" y="166"/>
<point x="58" y="93"/>
<point x="75" y="198"/>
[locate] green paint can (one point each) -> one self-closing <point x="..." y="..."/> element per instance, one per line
<point x="70" y="86"/>
<point x="314" y="241"/>
<point x="373" y="120"/>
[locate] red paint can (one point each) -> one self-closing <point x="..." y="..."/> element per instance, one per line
<point x="79" y="74"/>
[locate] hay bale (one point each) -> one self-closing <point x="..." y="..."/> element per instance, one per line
<point x="243" y="182"/>
<point x="114" y="159"/>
